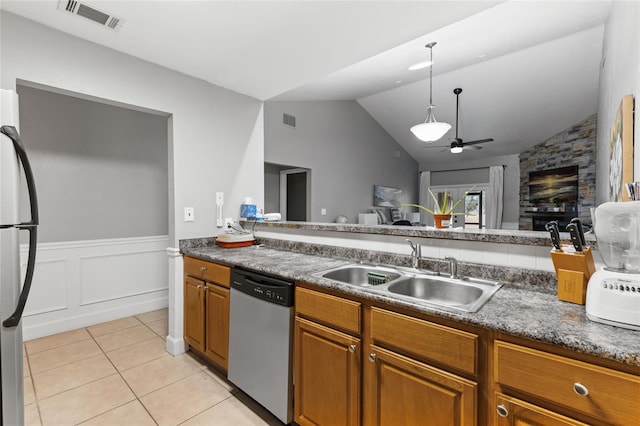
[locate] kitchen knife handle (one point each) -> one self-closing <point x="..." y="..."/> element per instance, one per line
<point x="578" y="222"/>
<point x="575" y="237"/>
<point x="552" y="227"/>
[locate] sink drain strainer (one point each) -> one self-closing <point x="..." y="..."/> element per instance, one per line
<point x="375" y="278"/>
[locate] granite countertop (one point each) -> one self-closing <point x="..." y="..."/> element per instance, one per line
<point x="514" y="309"/>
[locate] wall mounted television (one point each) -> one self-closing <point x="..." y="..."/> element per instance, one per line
<point x="561" y="183"/>
<point x="385" y="196"/>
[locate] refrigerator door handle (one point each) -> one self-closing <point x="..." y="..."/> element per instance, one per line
<point x="12" y="133"/>
<point x="14" y="319"/>
<point x="31" y="226"/>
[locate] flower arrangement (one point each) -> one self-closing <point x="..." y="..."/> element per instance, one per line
<point x="446" y="208"/>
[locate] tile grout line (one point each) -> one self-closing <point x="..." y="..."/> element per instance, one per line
<point x="127" y="383"/>
<point x="117" y="371"/>
<point x="61" y="346"/>
<point x="208" y="408"/>
<point x="33" y="384"/>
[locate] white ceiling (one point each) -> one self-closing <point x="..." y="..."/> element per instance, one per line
<point x="539" y="75"/>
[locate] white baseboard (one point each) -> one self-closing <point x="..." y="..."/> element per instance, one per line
<point x="175" y="346"/>
<point x="67" y="323"/>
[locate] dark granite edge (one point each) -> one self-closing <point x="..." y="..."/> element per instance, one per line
<point x="503" y="236"/>
<point x="192" y="243"/>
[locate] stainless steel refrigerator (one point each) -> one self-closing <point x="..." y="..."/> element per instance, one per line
<point x="13" y="293"/>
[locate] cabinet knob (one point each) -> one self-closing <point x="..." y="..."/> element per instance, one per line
<point x="203" y="268"/>
<point x="580" y="389"/>
<point x="352" y="348"/>
<point x="372" y="357"/>
<point x="502" y="411"/>
<point x="198" y="286"/>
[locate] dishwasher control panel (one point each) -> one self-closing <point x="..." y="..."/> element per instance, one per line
<point x="263" y="287"/>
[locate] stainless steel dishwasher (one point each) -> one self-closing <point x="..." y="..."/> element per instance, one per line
<point x="261" y="340"/>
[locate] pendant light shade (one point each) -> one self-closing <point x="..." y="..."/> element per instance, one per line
<point x="430" y="130"/>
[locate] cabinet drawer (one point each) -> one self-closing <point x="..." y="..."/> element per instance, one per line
<point x="208" y="271"/>
<point x="426" y="340"/>
<point x="612" y="395"/>
<point x="329" y="310"/>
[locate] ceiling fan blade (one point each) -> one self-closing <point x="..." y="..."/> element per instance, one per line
<point x="479" y="141"/>
<point x="471" y="147"/>
<point x="433" y="146"/>
<point x="446" y="149"/>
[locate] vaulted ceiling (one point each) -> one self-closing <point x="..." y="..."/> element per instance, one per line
<point x="528" y="69"/>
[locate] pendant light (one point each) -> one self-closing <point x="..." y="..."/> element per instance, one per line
<point x="430" y="130"/>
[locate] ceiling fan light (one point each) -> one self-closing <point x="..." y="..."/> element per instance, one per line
<point x="456" y="149"/>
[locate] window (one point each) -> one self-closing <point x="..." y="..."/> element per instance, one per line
<point x="472" y="211"/>
<point x="475" y="210"/>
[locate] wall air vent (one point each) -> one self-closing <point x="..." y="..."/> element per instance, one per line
<point x="288" y="120"/>
<point x="91" y="13"/>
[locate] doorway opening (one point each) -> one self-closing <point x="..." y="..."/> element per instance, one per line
<point x="288" y="191"/>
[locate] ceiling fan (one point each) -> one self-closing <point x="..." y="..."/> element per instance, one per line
<point x="457" y="144"/>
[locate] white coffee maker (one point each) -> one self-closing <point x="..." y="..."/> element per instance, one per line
<point x="613" y="293"/>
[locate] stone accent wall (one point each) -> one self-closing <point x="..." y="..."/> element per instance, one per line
<point x="574" y="146"/>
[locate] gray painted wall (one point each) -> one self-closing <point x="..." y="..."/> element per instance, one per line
<point x="101" y="170"/>
<point x="511" y="210"/>
<point x="347" y="151"/>
<point x="620" y="75"/>
<point x="272" y="187"/>
<point x="215" y="135"/>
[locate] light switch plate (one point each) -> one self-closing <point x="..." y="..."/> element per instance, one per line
<point x="189" y="214"/>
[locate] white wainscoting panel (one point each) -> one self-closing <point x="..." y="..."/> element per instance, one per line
<point x="113" y="276"/>
<point x="81" y="283"/>
<point x="50" y="282"/>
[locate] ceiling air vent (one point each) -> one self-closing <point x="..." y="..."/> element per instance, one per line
<point x="91" y="13"/>
<point x="288" y="120"/>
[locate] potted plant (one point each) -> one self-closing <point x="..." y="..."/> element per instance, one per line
<point x="536" y="203"/>
<point x="442" y="211"/>
<point x="557" y="202"/>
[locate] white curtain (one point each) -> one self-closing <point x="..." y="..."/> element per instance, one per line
<point x="496" y="192"/>
<point x="425" y="182"/>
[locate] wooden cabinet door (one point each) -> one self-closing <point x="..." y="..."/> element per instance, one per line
<point x="403" y="391"/>
<point x="326" y="376"/>
<point x="194" y="305"/>
<point x="217" y="324"/>
<point x="513" y="412"/>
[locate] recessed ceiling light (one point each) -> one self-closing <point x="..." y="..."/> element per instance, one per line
<point x="482" y="55"/>
<point x="420" y="65"/>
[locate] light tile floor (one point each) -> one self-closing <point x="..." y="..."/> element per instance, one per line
<point x="118" y="373"/>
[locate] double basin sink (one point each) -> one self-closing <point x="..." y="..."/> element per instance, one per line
<point x="463" y="294"/>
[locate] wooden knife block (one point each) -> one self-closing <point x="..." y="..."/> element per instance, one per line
<point x="573" y="271"/>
